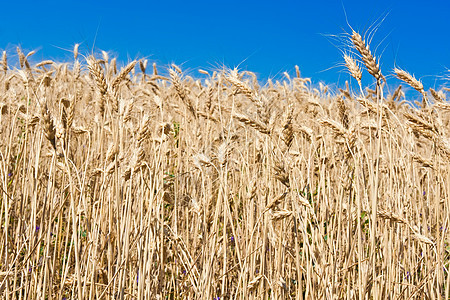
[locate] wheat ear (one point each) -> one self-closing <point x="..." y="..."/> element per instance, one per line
<point x="75" y="51"/>
<point x="181" y="91"/>
<point x="252" y="123"/>
<point x="368" y="59"/>
<point x="412" y="81"/>
<point x="242" y="87"/>
<point x="116" y="83"/>
<point x="96" y="72"/>
<point x="409" y="79"/>
<point x="49" y="126"/>
<point x="353" y="68"/>
<point x="438" y="96"/>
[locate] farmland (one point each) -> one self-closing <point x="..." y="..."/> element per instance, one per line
<point x="146" y="181"/>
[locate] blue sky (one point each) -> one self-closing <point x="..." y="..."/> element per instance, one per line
<point x="267" y="37"/>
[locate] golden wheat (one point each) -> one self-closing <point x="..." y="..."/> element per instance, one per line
<point x="279" y="190"/>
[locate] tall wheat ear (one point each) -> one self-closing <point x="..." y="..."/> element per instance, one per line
<point x="98" y="75"/>
<point x="368" y="59"/>
<point x="180" y="88"/>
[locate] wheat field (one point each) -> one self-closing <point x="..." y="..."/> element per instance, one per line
<point x="144" y="182"/>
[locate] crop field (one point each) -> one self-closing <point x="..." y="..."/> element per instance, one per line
<point x="153" y="182"/>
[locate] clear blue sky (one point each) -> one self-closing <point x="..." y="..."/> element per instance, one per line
<point x="267" y="37"/>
